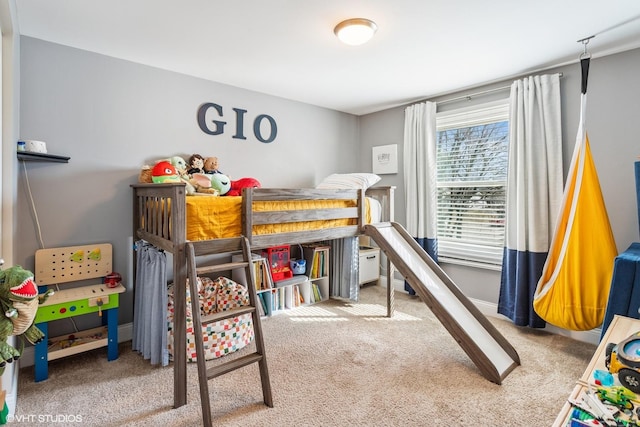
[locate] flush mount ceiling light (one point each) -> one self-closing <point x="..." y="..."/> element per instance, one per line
<point x="355" y="31"/>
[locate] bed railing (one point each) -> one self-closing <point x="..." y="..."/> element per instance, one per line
<point x="159" y="214"/>
<point x="154" y="220"/>
<point x="253" y="217"/>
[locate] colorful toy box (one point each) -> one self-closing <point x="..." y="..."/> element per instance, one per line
<point x="278" y="259"/>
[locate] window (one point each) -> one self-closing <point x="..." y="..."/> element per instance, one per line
<point x="472" y="158"/>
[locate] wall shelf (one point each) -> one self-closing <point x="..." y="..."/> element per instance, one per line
<point x="41" y="157"/>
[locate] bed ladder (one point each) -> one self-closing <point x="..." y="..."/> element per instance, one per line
<point x="193" y="250"/>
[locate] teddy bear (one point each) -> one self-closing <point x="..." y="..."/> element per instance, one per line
<point x="211" y="165"/>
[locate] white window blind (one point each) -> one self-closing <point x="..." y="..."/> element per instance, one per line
<point x="472" y="159"/>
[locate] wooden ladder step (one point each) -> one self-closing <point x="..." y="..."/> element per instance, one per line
<point x="227" y="314"/>
<point x="240" y="362"/>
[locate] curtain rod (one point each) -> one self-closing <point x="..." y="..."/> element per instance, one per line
<point x="475" y="94"/>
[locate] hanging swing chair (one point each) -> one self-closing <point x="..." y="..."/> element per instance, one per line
<point x="573" y="290"/>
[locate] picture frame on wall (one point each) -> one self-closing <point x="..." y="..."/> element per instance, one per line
<point x="385" y="159"/>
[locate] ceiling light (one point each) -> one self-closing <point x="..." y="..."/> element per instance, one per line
<point x="355" y="31"/>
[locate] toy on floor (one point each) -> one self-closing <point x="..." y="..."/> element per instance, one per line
<point x="19" y="298"/>
<point x="624" y="359"/>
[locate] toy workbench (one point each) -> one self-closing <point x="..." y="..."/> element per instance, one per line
<point x="87" y="265"/>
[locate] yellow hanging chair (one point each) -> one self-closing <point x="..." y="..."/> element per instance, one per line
<point x="573" y="290"/>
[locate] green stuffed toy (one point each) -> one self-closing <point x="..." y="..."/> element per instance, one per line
<point x="19" y="299"/>
<point x="220" y="182"/>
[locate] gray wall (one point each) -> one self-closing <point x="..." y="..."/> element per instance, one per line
<point x="112" y="116"/>
<point x="612" y="115"/>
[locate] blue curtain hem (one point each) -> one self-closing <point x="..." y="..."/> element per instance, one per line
<point x="521" y="272"/>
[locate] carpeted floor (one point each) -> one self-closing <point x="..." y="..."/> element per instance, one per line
<point x="331" y="364"/>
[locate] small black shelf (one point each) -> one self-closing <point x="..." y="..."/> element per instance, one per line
<point x="41" y="157"/>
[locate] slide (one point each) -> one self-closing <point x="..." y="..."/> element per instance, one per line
<point x="482" y="342"/>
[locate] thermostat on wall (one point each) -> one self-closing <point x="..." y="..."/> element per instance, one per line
<point x="35" y="146"/>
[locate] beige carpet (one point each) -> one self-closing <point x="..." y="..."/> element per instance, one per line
<point x="332" y="364"/>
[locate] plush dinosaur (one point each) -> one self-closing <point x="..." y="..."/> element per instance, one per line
<point x="19" y="300"/>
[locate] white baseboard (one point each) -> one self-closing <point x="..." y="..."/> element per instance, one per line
<point x="491" y="310"/>
<point x="11" y="397"/>
<point x="125" y="332"/>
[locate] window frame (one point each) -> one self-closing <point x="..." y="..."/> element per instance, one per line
<point x="459" y="118"/>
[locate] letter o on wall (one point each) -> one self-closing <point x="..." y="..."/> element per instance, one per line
<point x="257" y="125"/>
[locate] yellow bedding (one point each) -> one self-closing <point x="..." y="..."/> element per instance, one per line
<point x="219" y="217"/>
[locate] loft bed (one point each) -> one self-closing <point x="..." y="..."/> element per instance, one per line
<point x="163" y="215"/>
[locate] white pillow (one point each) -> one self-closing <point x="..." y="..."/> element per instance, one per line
<point x="339" y="181"/>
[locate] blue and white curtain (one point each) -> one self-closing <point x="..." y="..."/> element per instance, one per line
<point x="534" y="193"/>
<point x="150" y="305"/>
<point x="421" y="195"/>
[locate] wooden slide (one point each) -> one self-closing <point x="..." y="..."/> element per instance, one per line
<point x="482" y="342"/>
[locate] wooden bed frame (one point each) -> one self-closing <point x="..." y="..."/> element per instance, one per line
<point x="159" y="217"/>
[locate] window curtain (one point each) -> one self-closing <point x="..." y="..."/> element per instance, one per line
<point x="420" y="176"/>
<point x="150" y="304"/>
<point x="534" y="193"/>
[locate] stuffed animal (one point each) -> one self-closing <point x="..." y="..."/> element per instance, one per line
<point x="19" y="298"/>
<point x="164" y="172"/>
<point x="220" y="182"/>
<point x="179" y="163"/>
<point x="238" y="185"/>
<point x="196" y="164"/>
<point x="145" y="175"/>
<point x="174" y="169"/>
<point x="211" y="165"/>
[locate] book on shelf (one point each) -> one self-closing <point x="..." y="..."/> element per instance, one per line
<point x="297" y="299"/>
<point x="317" y="260"/>
<point x="317" y="294"/>
<point x="298" y="296"/>
<point x="267" y="297"/>
<point x="262" y="304"/>
<point x="261" y="272"/>
<point x="266" y="281"/>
